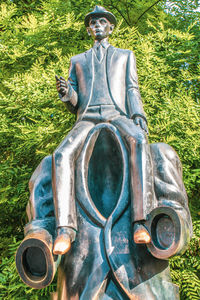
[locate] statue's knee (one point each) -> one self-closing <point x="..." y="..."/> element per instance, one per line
<point x="141" y="139"/>
<point x="57" y="156"/>
<point x="60" y="156"/>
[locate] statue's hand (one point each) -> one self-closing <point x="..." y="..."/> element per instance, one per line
<point x="61" y="85"/>
<point x="142" y="123"/>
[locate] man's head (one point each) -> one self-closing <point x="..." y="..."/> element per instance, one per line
<point x="100" y="23"/>
<point x="99" y="28"/>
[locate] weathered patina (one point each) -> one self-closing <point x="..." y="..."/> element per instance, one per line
<point x="111" y="204"/>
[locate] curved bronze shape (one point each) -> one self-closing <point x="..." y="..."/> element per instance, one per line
<point x="82" y="191"/>
<point x="169" y="232"/>
<point x="35" y="262"/>
<point x="98" y="249"/>
<point x="84" y="197"/>
<point x="97" y="191"/>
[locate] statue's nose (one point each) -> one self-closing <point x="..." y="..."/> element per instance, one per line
<point x="97" y="24"/>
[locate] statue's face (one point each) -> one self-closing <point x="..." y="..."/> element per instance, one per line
<point x="99" y="28"/>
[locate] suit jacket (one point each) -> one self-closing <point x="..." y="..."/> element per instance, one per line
<point x="121" y="77"/>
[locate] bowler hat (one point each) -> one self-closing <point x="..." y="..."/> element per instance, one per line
<point x="100" y="11"/>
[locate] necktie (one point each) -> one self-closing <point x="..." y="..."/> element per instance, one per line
<point x="99" y="52"/>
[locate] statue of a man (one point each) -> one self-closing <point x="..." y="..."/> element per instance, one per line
<point x="125" y="216"/>
<point x="102" y="87"/>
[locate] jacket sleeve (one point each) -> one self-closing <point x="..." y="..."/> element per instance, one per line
<point x="170" y="190"/>
<point x="71" y="99"/>
<point x="135" y="106"/>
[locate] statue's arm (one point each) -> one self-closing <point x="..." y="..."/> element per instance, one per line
<point x="168" y="181"/>
<point x="135" y="106"/>
<point x="67" y="90"/>
<point x="171" y="201"/>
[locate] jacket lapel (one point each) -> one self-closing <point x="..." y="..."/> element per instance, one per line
<point x="110" y="53"/>
<point x="89" y="61"/>
<point x="109" y="71"/>
<point x="89" y="78"/>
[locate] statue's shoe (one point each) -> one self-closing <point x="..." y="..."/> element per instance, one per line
<point x="141" y="234"/>
<point x="62" y="244"/>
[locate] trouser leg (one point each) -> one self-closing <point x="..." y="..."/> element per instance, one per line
<point x="141" y="179"/>
<point x="63" y="165"/>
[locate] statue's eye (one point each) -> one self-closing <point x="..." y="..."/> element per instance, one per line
<point x="92" y="22"/>
<point x="103" y="21"/>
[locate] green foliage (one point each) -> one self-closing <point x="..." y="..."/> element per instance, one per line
<point x="185" y="270"/>
<point x="37" y="40"/>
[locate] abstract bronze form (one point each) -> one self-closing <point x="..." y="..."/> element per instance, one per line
<point x="111" y="204"/>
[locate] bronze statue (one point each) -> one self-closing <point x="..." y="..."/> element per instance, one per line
<point x="102" y="87"/>
<point x="111" y="204"/>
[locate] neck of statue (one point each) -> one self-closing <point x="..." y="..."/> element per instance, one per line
<point x="105" y="40"/>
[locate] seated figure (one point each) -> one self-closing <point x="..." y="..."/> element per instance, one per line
<point x="102" y="87"/>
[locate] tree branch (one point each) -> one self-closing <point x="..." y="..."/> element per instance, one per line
<point x="147" y="10"/>
<point x="119" y="11"/>
<point x="128" y="12"/>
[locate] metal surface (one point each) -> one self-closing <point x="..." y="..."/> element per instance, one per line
<point x="127" y="269"/>
<point x="107" y="91"/>
<point x="169" y="232"/>
<point x="34" y="259"/>
<point x="101" y="182"/>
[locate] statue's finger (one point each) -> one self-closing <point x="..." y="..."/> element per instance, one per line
<point x="57" y="79"/>
<point x="62" y="90"/>
<point x="145" y="127"/>
<point x="136" y="121"/>
<point x="141" y="124"/>
<point x="62" y="81"/>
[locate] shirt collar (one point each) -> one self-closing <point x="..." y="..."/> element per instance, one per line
<point x="104" y="43"/>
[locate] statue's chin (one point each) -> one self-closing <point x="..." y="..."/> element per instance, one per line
<point x="99" y="36"/>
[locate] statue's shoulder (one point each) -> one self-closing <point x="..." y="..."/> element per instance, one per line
<point x="78" y="57"/>
<point x="125" y="52"/>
